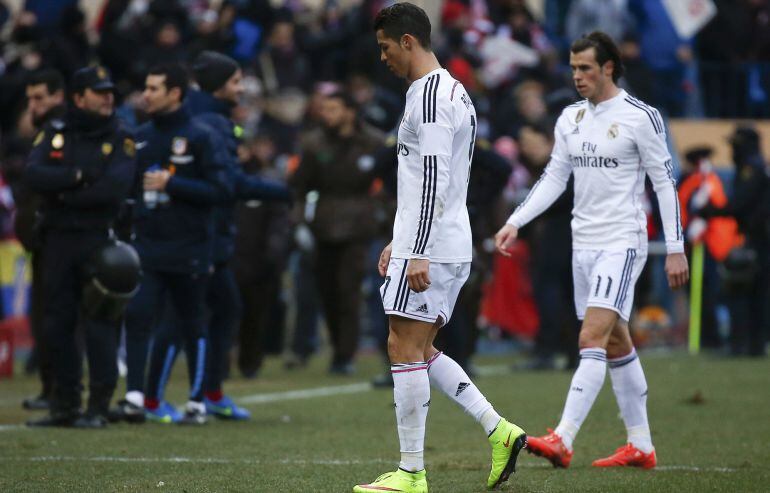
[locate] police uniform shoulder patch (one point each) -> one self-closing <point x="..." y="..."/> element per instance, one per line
<point x="129" y="147"/>
<point x="57" y="142"/>
<point x="38" y="138"/>
<point x="106" y="148"/>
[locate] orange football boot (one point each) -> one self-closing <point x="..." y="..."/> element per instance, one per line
<point x="628" y="455"/>
<point x="550" y="447"/>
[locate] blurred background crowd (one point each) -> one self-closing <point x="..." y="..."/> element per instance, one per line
<point x="319" y="111"/>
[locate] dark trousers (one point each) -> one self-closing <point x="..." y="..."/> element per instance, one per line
<point x="552" y="286"/>
<point x="224" y="301"/>
<point x="748" y="315"/>
<point x="65" y="257"/>
<point x="42" y="350"/>
<point x="710" y="337"/>
<point x="339" y="273"/>
<point x="262" y="314"/>
<point x="186" y="293"/>
<point x="305" y="337"/>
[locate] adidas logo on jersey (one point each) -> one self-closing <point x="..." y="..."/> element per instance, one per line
<point x="422" y="308"/>
<point x="461" y="387"/>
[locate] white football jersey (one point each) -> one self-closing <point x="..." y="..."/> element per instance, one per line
<point x="609" y="148"/>
<point x="435" y="148"/>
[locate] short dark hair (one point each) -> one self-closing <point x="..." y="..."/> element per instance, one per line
<point x="404" y="18"/>
<point x="53" y="79"/>
<point x="176" y="76"/>
<point x="605" y="48"/>
<point x="345" y="97"/>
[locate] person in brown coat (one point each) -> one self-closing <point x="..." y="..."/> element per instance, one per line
<point x="338" y="163"/>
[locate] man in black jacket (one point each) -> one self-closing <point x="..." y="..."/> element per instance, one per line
<point x="82" y="165"/>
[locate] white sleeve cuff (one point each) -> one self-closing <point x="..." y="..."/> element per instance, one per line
<point x="674" y="247"/>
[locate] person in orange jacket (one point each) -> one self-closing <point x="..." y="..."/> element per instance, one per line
<point x="701" y="187"/>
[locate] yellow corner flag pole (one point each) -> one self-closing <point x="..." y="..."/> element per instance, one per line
<point x="696" y="297"/>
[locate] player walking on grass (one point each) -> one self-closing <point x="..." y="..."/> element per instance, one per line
<point x="429" y="258"/>
<point x="609" y="140"/>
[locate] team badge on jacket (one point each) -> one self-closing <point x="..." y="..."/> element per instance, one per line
<point x="613" y="131"/>
<point x="179" y="145"/>
<point x="580" y="115"/>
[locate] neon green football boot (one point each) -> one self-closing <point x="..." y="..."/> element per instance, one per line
<point x="399" y="481"/>
<point x="507" y="441"/>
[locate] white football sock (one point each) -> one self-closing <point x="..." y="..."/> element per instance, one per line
<point x="411" y="392"/>
<point x="630" y="389"/>
<point x="135" y="397"/>
<point x="450" y="378"/>
<point x="585" y="386"/>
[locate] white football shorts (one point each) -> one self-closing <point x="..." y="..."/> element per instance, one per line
<point x="438" y="300"/>
<point x="606" y="279"/>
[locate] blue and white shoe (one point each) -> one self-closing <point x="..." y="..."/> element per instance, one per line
<point x="166" y="414"/>
<point x="225" y="408"/>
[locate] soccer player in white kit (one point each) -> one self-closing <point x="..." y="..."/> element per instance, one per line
<point x="609" y="141"/>
<point x="429" y="258"/>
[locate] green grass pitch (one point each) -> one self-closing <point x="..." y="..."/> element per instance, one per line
<point x="719" y="441"/>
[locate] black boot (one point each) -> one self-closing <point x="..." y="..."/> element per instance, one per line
<point x="97" y="413"/>
<point x="90" y="421"/>
<point x="57" y="418"/>
<point x="39" y="403"/>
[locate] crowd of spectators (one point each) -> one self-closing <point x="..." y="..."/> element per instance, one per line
<point x="295" y="53"/>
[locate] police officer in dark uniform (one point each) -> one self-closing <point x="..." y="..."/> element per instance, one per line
<point x="83" y="166"/>
<point x="219" y="78"/>
<point x="45" y="102"/>
<point x="338" y="162"/>
<point x="179" y="180"/>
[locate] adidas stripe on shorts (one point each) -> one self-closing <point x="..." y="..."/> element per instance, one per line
<point x="606" y="279"/>
<point x="436" y="301"/>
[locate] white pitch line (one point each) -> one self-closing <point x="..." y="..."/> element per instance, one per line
<point x="694" y="469"/>
<point x="287" y="461"/>
<point x="267" y="398"/>
<point x="292" y="395"/>
<point x="196" y="460"/>
<point x="12" y="427"/>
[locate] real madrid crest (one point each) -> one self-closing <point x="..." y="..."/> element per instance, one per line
<point x="613" y="131"/>
<point x="179" y="145"/>
<point x="580" y="115"/>
<point x="58" y="141"/>
<point x="106" y="148"/>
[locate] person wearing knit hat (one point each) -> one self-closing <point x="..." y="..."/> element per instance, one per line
<point x="220" y="80"/>
<point x="212" y="70"/>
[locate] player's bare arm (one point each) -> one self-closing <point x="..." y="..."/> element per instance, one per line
<point x="505" y="238"/>
<point x="382" y="264"/>
<point x="677" y="270"/>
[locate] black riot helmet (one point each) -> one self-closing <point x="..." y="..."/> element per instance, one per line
<point x="114" y="272"/>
